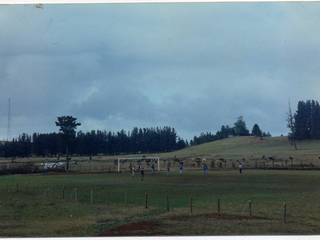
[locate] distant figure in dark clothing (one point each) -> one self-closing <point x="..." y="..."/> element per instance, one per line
<point x="152" y="168"/>
<point x="142" y="174"/>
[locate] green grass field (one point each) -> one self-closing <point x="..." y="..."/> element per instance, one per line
<point x="33" y="215"/>
<point x="37" y="208"/>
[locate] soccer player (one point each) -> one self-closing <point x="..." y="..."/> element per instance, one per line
<point x="133" y="170"/>
<point x="142" y="174"/>
<point x="205" y="169"/>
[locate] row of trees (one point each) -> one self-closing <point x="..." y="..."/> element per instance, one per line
<point x="142" y="140"/>
<point x="239" y="129"/>
<point x="146" y="140"/>
<point x="305" y="122"/>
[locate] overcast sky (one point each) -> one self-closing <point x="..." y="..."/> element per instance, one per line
<point x="190" y="66"/>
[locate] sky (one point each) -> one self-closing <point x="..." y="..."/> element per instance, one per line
<point x="190" y="66"/>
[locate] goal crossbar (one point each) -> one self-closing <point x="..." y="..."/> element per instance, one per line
<point x="139" y="158"/>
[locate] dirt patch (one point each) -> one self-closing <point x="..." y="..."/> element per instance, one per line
<point x="155" y="227"/>
<point x="132" y="229"/>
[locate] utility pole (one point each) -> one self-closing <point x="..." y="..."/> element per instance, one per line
<point x="9" y="124"/>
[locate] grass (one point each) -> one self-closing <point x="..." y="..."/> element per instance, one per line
<point x="33" y="215"/>
<point x="30" y="215"/>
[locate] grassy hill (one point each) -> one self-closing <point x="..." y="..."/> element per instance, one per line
<point x="251" y="148"/>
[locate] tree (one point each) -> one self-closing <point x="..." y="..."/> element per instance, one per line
<point x="256" y="131"/>
<point x="68" y="126"/>
<point x="291" y="126"/>
<point x="240" y="127"/>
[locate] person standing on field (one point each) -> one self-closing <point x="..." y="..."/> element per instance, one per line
<point x="142" y="174"/>
<point x="205" y="169"/>
<point x="180" y="169"/>
<point x="168" y="171"/>
<point x="152" y="168"/>
<point x="133" y="171"/>
<point x="240" y="168"/>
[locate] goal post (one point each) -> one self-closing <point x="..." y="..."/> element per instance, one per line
<point x="139" y="158"/>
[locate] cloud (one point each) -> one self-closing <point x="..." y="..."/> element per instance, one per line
<point x="191" y="66"/>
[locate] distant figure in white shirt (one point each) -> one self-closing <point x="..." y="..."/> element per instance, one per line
<point x="133" y="170"/>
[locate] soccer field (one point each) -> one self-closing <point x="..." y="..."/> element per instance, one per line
<point x="104" y="204"/>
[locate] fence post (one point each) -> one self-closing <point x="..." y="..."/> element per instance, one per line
<point x="167" y="203"/>
<point x="146" y="200"/>
<point x="284" y="212"/>
<point x="63" y="192"/>
<point x="107" y="198"/>
<point x="191" y="204"/>
<point x="91" y="195"/>
<point x="219" y="207"/>
<point x="27" y="188"/>
<point x="75" y="194"/>
<point x="125" y="202"/>
<point x="250" y="212"/>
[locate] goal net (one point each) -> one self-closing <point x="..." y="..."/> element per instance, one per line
<point x="144" y="162"/>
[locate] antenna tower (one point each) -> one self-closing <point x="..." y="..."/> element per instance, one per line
<point x="9" y="123"/>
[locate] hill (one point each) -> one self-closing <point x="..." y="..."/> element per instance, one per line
<point x="251" y="148"/>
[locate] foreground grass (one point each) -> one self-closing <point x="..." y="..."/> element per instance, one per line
<point x="50" y="215"/>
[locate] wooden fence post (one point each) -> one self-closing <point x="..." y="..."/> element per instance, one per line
<point x="146" y="200"/>
<point x="75" y="194"/>
<point x="107" y="198"/>
<point x="91" y="195"/>
<point x="250" y="212"/>
<point x="167" y="203"/>
<point x="63" y="192"/>
<point x="191" y="204"/>
<point x="284" y="212"/>
<point x="219" y="207"/>
<point x="125" y="202"/>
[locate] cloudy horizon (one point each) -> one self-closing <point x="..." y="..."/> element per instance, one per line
<point x="190" y="66"/>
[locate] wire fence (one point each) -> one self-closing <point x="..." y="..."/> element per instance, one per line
<point x="85" y="196"/>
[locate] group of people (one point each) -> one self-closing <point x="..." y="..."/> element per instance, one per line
<point x="141" y="170"/>
<point x="205" y="169"/>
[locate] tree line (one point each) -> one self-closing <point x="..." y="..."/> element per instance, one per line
<point x="142" y="140"/>
<point x="239" y="129"/>
<point x="304" y="124"/>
